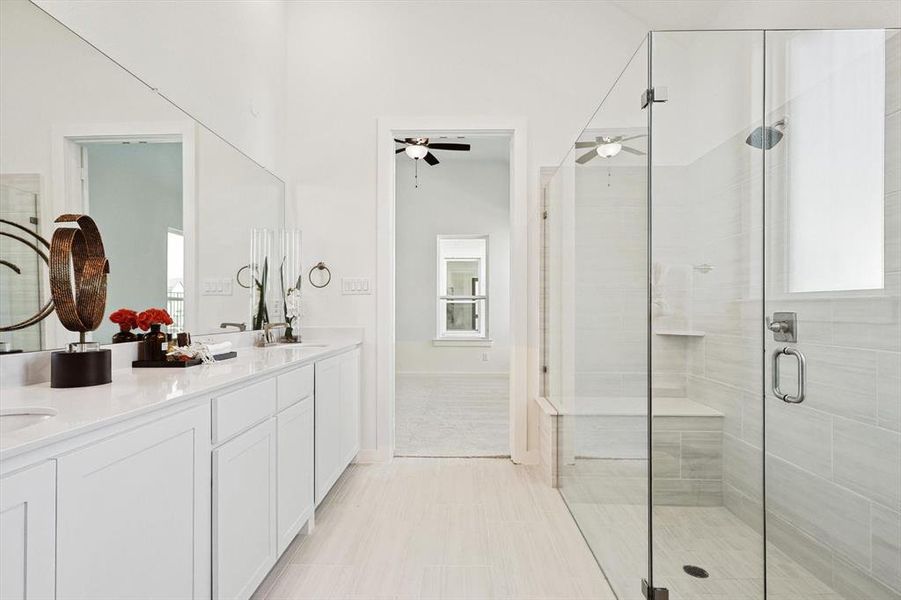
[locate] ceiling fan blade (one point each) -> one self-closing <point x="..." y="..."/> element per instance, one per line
<point x="586" y="144"/>
<point x="586" y="157"/>
<point x="443" y="146"/>
<point x="400" y="141"/>
<point x="399" y="150"/>
<point x="431" y="159"/>
<point x="633" y="151"/>
<point x="633" y="137"/>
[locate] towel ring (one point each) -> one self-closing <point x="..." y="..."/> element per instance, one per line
<point x="320" y="266"/>
<point x="238" y="277"/>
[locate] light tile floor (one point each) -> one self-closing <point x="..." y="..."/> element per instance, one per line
<point x="452" y="415"/>
<point x="439" y="529"/>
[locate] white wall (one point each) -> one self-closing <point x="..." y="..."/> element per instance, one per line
<point x="460" y="196"/>
<point x="223" y="62"/>
<point x="351" y="63"/>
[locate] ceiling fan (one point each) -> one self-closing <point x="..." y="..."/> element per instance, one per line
<point x="421" y="147"/>
<point x="608" y="147"/>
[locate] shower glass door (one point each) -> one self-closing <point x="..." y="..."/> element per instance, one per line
<point x="775" y="294"/>
<point x="833" y="277"/>
<point x="706" y="341"/>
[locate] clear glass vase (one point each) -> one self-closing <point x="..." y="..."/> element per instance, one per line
<point x="289" y="277"/>
<point x="261" y="273"/>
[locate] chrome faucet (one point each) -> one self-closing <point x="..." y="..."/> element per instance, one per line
<point x="240" y="326"/>
<point x="267" y="332"/>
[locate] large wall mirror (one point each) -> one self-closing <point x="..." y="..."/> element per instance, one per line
<point x="175" y="203"/>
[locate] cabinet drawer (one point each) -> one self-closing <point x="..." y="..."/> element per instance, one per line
<point x="294" y="386"/>
<point x="236" y="411"/>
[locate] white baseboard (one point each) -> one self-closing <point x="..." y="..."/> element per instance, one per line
<point x="371" y="456"/>
<point x="530" y="457"/>
<point x="452" y="374"/>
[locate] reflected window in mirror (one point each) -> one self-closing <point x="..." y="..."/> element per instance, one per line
<point x="175" y="278"/>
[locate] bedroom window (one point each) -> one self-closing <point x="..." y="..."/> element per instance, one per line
<point x="462" y="288"/>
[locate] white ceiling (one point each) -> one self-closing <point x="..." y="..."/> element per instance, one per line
<point x="669" y="14"/>
<point x="754" y="14"/>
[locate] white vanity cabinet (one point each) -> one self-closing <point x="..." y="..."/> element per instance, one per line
<point x="350" y="406"/>
<point x="133" y="513"/>
<point x="189" y="502"/>
<point x="337" y="418"/>
<point x="244" y="511"/>
<point x="27" y="525"/>
<point x="295" y="453"/>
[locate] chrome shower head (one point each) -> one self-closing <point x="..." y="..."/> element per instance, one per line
<point x="764" y="138"/>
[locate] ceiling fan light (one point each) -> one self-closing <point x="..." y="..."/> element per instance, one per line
<point x="609" y="150"/>
<point x="416" y="151"/>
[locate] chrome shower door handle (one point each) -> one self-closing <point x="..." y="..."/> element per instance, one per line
<point x="802" y="374"/>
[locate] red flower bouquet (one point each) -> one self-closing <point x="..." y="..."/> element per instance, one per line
<point x="153" y="316"/>
<point x="125" y="318"/>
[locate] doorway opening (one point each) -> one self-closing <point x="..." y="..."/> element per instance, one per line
<point x="452" y="325"/>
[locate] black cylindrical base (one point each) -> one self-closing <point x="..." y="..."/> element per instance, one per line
<point x="80" y="369"/>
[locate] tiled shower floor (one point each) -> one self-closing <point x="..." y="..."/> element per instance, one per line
<point x="614" y="523"/>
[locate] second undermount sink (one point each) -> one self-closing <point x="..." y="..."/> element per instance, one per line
<point x="13" y="419"/>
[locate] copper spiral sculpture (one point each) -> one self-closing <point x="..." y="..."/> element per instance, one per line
<point x="80" y="307"/>
<point x="77" y="257"/>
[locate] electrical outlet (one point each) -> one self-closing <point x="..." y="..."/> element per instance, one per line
<point x="484" y="357"/>
<point x="355" y="286"/>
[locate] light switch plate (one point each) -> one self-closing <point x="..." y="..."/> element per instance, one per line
<point x="358" y="286"/>
<point x="213" y="286"/>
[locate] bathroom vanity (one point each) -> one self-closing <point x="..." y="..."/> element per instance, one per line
<point x="174" y="483"/>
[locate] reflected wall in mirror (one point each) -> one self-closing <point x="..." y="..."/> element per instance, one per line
<point x="175" y="202"/>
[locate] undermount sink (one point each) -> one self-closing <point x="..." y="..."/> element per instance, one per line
<point x="13" y="419"/>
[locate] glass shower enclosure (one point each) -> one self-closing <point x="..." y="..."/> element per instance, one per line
<point x="722" y="318"/>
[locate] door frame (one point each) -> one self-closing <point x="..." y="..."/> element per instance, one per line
<point x="67" y="194"/>
<point x="520" y="251"/>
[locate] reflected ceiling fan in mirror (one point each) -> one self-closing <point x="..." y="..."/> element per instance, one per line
<point x="608" y="147"/>
<point x="421" y="148"/>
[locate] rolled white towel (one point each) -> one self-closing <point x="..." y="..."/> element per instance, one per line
<point x="219" y="348"/>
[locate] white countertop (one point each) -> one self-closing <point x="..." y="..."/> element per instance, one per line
<point x="134" y="392"/>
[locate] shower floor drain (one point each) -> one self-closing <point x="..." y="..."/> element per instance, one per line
<point x="696" y="571"/>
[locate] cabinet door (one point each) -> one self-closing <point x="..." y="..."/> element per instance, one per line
<point x="295" y="470"/>
<point x="134" y="513"/>
<point x="27" y="525"/>
<point x="350" y="406"/>
<point x="328" y="425"/>
<point x="244" y="518"/>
